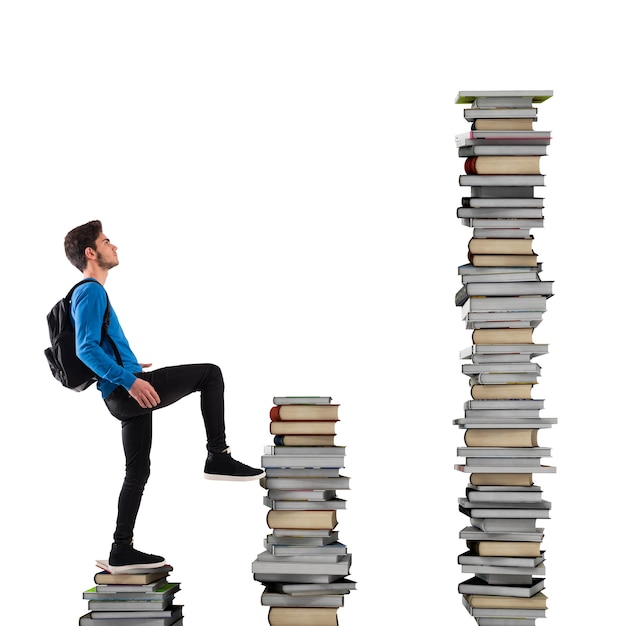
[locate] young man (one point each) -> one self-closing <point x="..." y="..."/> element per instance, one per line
<point x="132" y="394"/>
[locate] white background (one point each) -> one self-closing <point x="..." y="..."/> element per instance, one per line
<point x="281" y="180"/>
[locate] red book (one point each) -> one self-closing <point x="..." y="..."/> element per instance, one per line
<point x="470" y="165"/>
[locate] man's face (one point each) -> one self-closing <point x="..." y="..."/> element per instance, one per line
<point x="106" y="252"/>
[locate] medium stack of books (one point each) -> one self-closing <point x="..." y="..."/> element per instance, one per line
<point x="304" y="565"/>
<point x="502" y="299"/>
<point x="132" y="597"/>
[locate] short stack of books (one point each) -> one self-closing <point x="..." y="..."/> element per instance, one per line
<point x="502" y="299"/>
<point x="304" y="566"/>
<point x="132" y="597"/>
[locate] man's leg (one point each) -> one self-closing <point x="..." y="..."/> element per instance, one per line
<point x="137" y="441"/>
<point x="176" y="382"/>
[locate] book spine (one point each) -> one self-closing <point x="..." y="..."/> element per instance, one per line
<point x="470" y="165"/>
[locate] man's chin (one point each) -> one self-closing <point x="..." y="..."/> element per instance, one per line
<point x="108" y="266"/>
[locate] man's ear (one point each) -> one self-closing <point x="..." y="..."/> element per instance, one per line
<point x="90" y="254"/>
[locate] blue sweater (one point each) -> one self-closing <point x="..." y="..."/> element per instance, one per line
<point x="88" y="306"/>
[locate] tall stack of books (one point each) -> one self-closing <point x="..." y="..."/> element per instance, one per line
<point x="502" y="299"/>
<point x="304" y="566"/>
<point x="132" y="597"/>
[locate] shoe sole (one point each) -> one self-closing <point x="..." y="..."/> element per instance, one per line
<point x="234" y="478"/>
<point x="120" y="569"/>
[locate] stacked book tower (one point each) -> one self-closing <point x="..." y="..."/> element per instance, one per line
<point x="304" y="566"/>
<point x="132" y="597"/>
<point x="502" y="299"/>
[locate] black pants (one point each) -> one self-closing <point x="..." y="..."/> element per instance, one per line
<point x="172" y="384"/>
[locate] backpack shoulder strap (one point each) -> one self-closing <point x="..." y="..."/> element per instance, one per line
<point x="68" y="297"/>
<point x="107" y="312"/>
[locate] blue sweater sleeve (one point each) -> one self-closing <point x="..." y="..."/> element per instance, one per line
<point x="88" y="306"/>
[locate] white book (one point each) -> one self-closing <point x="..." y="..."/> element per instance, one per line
<point x="485" y="422"/>
<point x="499" y="180"/>
<point x="504" y="469"/>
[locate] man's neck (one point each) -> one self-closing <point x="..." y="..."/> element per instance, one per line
<point x="96" y="272"/>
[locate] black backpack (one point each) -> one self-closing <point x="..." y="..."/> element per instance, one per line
<point x="65" y="366"/>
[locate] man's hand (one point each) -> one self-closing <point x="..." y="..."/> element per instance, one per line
<point x="144" y="393"/>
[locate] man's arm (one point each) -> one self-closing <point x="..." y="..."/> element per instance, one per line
<point x="88" y="307"/>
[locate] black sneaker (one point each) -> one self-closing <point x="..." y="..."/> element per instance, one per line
<point x="222" y="466"/>
<point x="124" y="557"/>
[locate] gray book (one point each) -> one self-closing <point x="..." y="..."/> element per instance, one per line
<point x="502" y="202"/>
<point x="503" y="494"/>
<point x="471" y="533"/>
<point x="267" y="563"/>
<point x="302" y="461"/>
<point x="503" y="404"/>
<point x="340" y="586"/>
<point x="313" y="495"/>
<point x="128" y="605"/>
<point x="269" y="598"/>
<point x="484" y="224"/>
<point x="503" y="231"/>
<point x="97" y="618"/>
<point x="527" y="320"/>
<point x="536" y="510"/>
<point x="540" y="570"/>
<point x="504" y="357"/>
<point x="485" y="422"/>
<point x="518" y="413"/>
<point x="497" y="378"/>
<point x="301" y="559"/>
<point x="336" y="548"/>
<point x="475" y="113"/>
<point x="305" y="450"/>
<point x="487" y="468"/>
<point x="280" y="400"/>
<point x="302" y="472"/>
<point x="505" y="525"/>
<point x="502" y="274"/>
<point x="265" y="577"/>
<point x="504" y="621"/>
<point x="319" y="538"/>
<point x="502" y="150"/>
<point x="495" y="303"/>
<point x="477" y="585"/>
<point x="333" y="504"/>
<point x="493" y="212"/>
<point x="517" y="137"/>
<point x="526" y="367"/>
<point x="322" y="482"/>
<point x="470" y="558"/>
<point x="504" y="288"/>
<point x="497" y="454"/>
